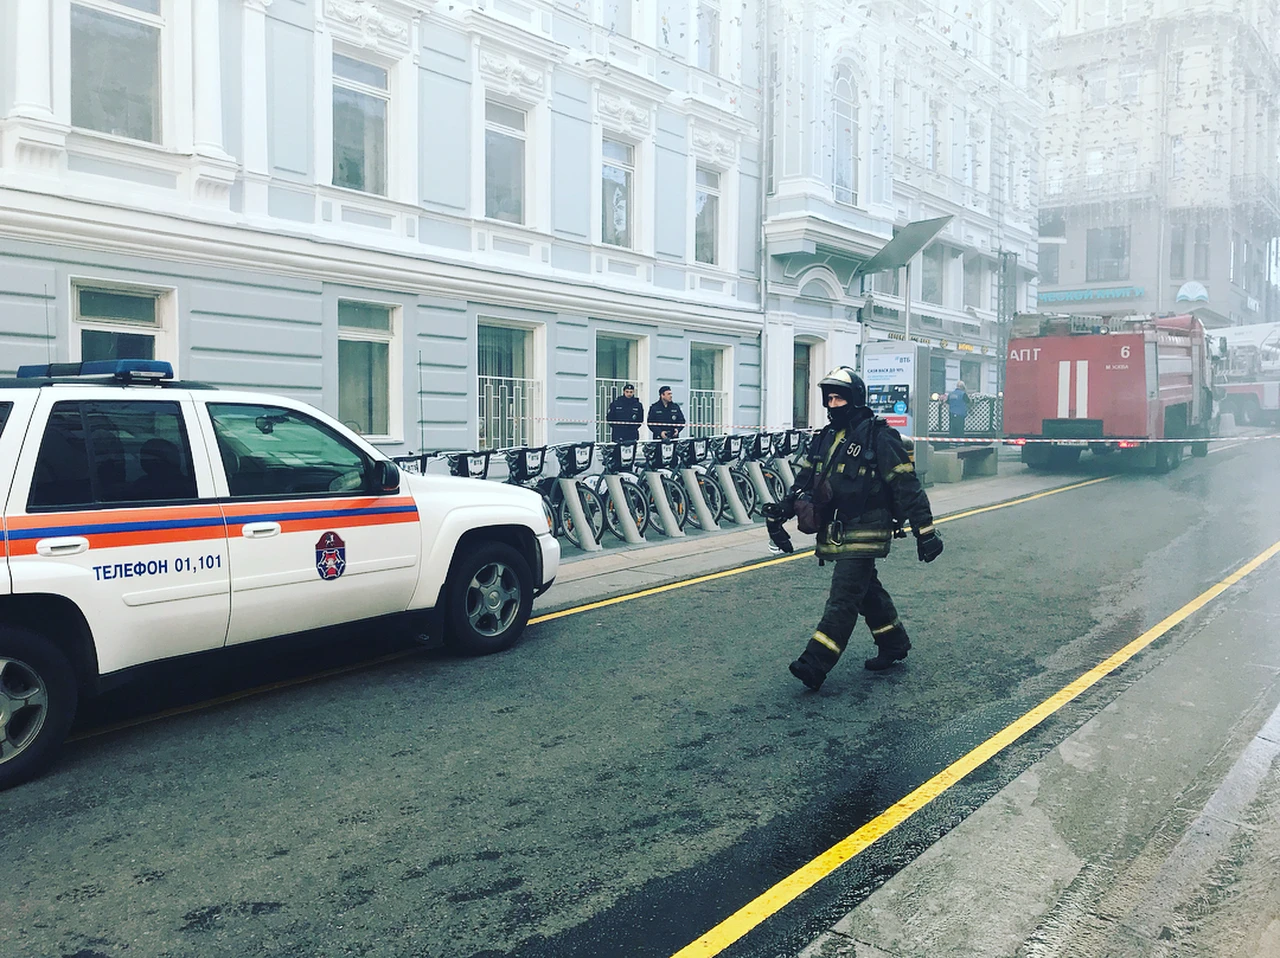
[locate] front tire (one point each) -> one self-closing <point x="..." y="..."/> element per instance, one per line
<point x="592" y="508"/>
<point x="489" y="599"/>
<point x="38" y="699"/>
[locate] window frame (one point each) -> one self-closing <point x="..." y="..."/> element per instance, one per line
<point x="534" y="360"/>
<point x="165" y="109"/>
<point x="393" y="338"/>
<point x="525" y="138"/>
<point x="1096" y="263"/>
<point x="163" y="332"/>
<point x="717" y="193"/>
<point x="846" y="135"/>
<point x="708" y="55"/>
<point x="386" y="96"/>
<point x="632" y="171"/>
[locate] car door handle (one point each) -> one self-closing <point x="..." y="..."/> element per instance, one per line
<point x="260" y="530"/>
<point x="62" y="546"/>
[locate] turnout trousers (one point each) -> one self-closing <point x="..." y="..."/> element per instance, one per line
<point x="855" y="588"/>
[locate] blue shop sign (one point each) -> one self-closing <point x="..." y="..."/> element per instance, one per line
<point x="1088" y="295"/>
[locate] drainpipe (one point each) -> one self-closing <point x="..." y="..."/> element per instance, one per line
<point x="766" y="167"/>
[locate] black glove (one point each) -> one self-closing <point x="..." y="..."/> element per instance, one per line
<point x="780" y="511"/>
<point x="778" y="535"/>
<point x="929" y="546"/>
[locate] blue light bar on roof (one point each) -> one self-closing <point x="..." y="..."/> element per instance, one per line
<point x="125" y="370"/>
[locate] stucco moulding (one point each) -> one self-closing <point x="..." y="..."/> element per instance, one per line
<point x="510" y="75"/>
<point x="714" y="147"/>
<point x="372" y="25"/>
<point x="621" y="114"/>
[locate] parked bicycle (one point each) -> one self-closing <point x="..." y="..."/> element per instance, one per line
<point x="692" y="454"/>
<point x="524" y="468"/>
<point x="575" y="459"/>
<point x="618" y="459"/>
<point x="760" y="448"/>
<point x="727" y="451"/>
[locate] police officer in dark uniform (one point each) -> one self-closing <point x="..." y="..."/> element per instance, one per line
<point x="665" y="418"/>
<point x="874" y="491"/>
<point x="625" y="414"/>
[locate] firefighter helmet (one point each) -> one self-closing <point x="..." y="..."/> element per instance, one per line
<point x="847" y="383"/>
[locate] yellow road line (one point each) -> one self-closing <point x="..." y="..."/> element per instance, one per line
<point x="548" y="617"/>
<point x="772" y="901"/>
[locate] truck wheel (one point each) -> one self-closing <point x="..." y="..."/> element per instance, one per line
<point x="489" y="598"/>
<point x="1199" y="449"/>
<point x="38" y="698"/>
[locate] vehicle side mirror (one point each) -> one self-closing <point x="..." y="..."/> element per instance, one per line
<point x="386" y="477"/>
<point x="1219" y="393"/>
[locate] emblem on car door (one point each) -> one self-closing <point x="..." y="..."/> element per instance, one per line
<point x="331" y="556"/>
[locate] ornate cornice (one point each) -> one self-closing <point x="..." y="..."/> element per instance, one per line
<point x="714" y="147"/>
<point x="504" y="73"/>
<point x="363" y="23"/>
<point x="624" y="115"/>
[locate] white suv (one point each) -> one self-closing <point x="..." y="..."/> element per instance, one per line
<point x="145" y="518"/>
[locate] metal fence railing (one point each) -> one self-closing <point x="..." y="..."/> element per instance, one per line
<point x="985" y="419"/>
<point x="509" y="410"/>
<point x="706" y="412"/>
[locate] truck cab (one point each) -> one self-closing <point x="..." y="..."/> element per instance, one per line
<point x="145" y="519"/>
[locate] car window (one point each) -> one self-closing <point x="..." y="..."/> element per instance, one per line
<point x="108" y="453"/>
<point x="5" y="408"/>
<point x="271" y="451"/>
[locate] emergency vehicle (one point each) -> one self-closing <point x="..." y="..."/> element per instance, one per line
<point x="1142" y="386"/>
<point x="145" y="518"/>
<point x="1251" y="384"/>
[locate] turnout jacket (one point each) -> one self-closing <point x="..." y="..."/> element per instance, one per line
<point x="625" y="416"/>
<point x="874" y="487"/>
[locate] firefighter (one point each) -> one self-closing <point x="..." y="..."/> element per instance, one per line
<point x="874" y="491"/>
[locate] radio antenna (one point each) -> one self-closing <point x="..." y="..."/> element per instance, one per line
<point x="48" y="327"/>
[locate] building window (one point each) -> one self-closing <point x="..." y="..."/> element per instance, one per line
<point x="1095" y="169"/>
<point x="1054" y="176"/>
<point x="366" y="333"/>
<point x="1179" y="153"/>
<point x="1127" y="167"/>
<point x="115" y="68"/>
<point x="1049" y="263"/>
<point x="931" y="274"/>
<point x="708" y="398"/>
<point x="1107" y="254"/>
<point x="360" y="101"/>
<point x="113" y="324"/>
<point x="1200" y="255"/>
<point x="844" y="127"/>
<point x="617" y="365"/>
<point x="973" y="282"/>
<point x="504" y="162"/>
<point x="800" y="388"/>
<point x="1177" y="251"/>
<point x="617" y="17"/>
<point x="510" y="397"/>
<point x="1130" y="79"/>
<point x="1095" y="87"/>
<point x="706" y="227"/>
<point x="617" y="174"/>
<point x="709" y="37"/>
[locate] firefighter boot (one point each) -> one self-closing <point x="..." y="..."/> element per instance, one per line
<point x="808" y="671"/>
<point x="887" y="655"/>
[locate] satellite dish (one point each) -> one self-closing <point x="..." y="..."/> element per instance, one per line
<point x="1192" y="292"/>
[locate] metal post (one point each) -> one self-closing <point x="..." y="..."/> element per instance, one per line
<point x="587" y="539"/>
<point x="739" y="511"/>
<point x="618" y="496"/>
<point x="784" y="470"/>
<point x="906" y="304"/>
<point x="658" y="496"/>
<point x="696" y="499"/>
<point x="757" y="480"/>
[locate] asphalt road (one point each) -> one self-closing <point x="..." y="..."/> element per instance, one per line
<point x="622" y="780"/>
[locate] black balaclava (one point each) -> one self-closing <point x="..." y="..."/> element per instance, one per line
<point x="843" y="416"/>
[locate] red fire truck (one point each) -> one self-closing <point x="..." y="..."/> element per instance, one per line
<point x="1252" y="373"/>
<point x="1109" y="384"/>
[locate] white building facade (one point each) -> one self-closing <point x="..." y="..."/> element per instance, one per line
<point x="449" y="225"/>
<point x="1162" y="160"/>
<point x="878" y="115"/>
